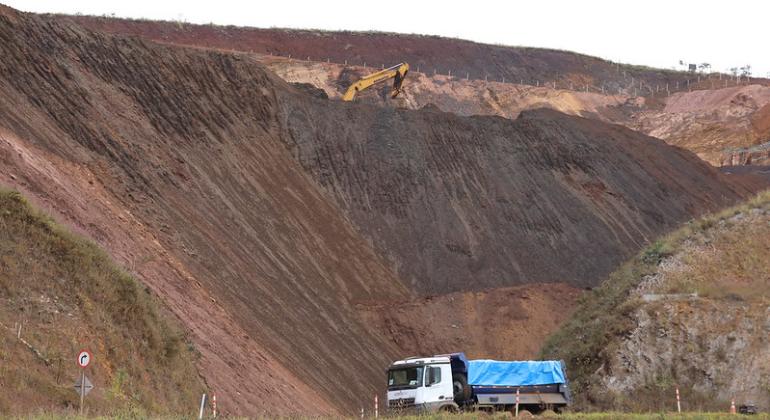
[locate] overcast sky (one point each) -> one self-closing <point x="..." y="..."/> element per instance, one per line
<point x="652" y="32"/>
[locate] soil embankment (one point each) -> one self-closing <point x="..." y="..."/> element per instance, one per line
<point x="265" y="218"/>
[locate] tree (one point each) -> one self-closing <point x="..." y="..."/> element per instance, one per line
<point x="746" y="70"/>
<point x="704" y="67"/>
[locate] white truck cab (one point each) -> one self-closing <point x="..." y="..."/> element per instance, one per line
<point x="424" y="384"/>
<point x="451" y="382"/>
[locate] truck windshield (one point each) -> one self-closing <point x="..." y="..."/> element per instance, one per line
<point x="409" y="377"/>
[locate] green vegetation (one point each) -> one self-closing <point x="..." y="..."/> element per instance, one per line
<point x="734" y="264"/>
<point x="68" y="295"/>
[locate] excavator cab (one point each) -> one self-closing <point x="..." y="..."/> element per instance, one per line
<point x="397" y="73"/>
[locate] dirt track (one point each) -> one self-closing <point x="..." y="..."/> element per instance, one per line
<point x="264" y="218"/>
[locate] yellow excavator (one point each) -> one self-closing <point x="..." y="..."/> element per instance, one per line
<point x="397" y="73"/>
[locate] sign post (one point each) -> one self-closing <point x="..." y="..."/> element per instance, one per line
<point x="83" y="385"/>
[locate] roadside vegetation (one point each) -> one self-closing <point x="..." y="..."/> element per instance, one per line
<point x="60" y="293"/>
<point x="724" y="259"/>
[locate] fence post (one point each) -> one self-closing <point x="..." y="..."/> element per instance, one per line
<point x="517" y="403"/>
<point x="376" y="407"/>
<point x="203" y="404"/>
<point x="678" y="403"/>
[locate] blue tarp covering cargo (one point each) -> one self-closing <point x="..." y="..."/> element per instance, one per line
<point x="494" y="373"/>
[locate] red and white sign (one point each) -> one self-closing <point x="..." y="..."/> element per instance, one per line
<point x="84" y="358"/>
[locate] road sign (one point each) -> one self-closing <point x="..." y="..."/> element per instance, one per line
<point x="83" y="386"/>
<point x="84" y="358"/>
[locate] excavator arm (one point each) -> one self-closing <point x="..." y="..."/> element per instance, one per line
<point x="397" y="73"/>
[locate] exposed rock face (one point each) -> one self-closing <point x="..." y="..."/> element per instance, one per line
<point x="714" y="344"/>
<point x="707" y="347"/>
<point x="754" y="155"/>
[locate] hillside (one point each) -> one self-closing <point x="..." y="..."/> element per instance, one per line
<point x="271" y="222"/>
<point x="472" y="203"/>
<point x="690" y="311"/>
<point x="169" y="159"/>
<point x="68" y="295"/>
<point x="423" y="53"/>
<point x="717" y="124"/>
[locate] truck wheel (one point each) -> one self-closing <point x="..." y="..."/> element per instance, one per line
<point x="462" y="392"/>
<point x="447" y="409"/>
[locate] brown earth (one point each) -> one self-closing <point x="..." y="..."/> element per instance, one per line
<point x="707" y="122"/>
<point x="461" y="203"/>
<point x="508" y="323"/>
<point x="269" y="221"/>
<point x="425" y="53"/>
<point x="170" y="160"/>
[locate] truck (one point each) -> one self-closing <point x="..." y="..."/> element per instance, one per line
<point x="451" y="383"/>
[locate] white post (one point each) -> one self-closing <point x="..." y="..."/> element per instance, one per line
<point x="214" y="405"/>
<point x="82" y="390"/>
<point x="362" y="412"/>
<point x="517" y="403"/>
<point x="376" y="407"/>
<point x="203" y="403"/>
<point x="18" y="334"/>
<point x="678" y="403"/>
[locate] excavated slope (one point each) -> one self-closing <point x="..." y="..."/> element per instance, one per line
<point x="266" y="219"/>
<point x="713" y="123"/>
<point x="170" y="159"/>
<point x="466" y="203"/>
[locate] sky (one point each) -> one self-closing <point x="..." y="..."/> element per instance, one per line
<point x="649" y="32"/>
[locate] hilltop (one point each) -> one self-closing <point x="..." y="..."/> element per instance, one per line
<point x="426" y="54"/>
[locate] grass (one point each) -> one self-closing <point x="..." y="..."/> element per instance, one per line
<point x="603" y="317"/>
<point x="68" y="295"/>
<point x="474" y="416"/>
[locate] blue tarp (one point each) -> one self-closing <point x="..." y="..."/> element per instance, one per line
<point x="494" y="373"/>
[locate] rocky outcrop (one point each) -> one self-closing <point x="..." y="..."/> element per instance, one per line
<point x="711" y="349"/>
<point x="754" y="155"/>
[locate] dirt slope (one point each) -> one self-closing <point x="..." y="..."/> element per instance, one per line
<point x="169" y="159"/>
<point x="711" y="123"/>
<point x="509" y="323"/>
<point x="471" y="203"/>
<point x="455" y="95"/>
<point x="424" y="52"/>
<point x="67" y="295"/>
